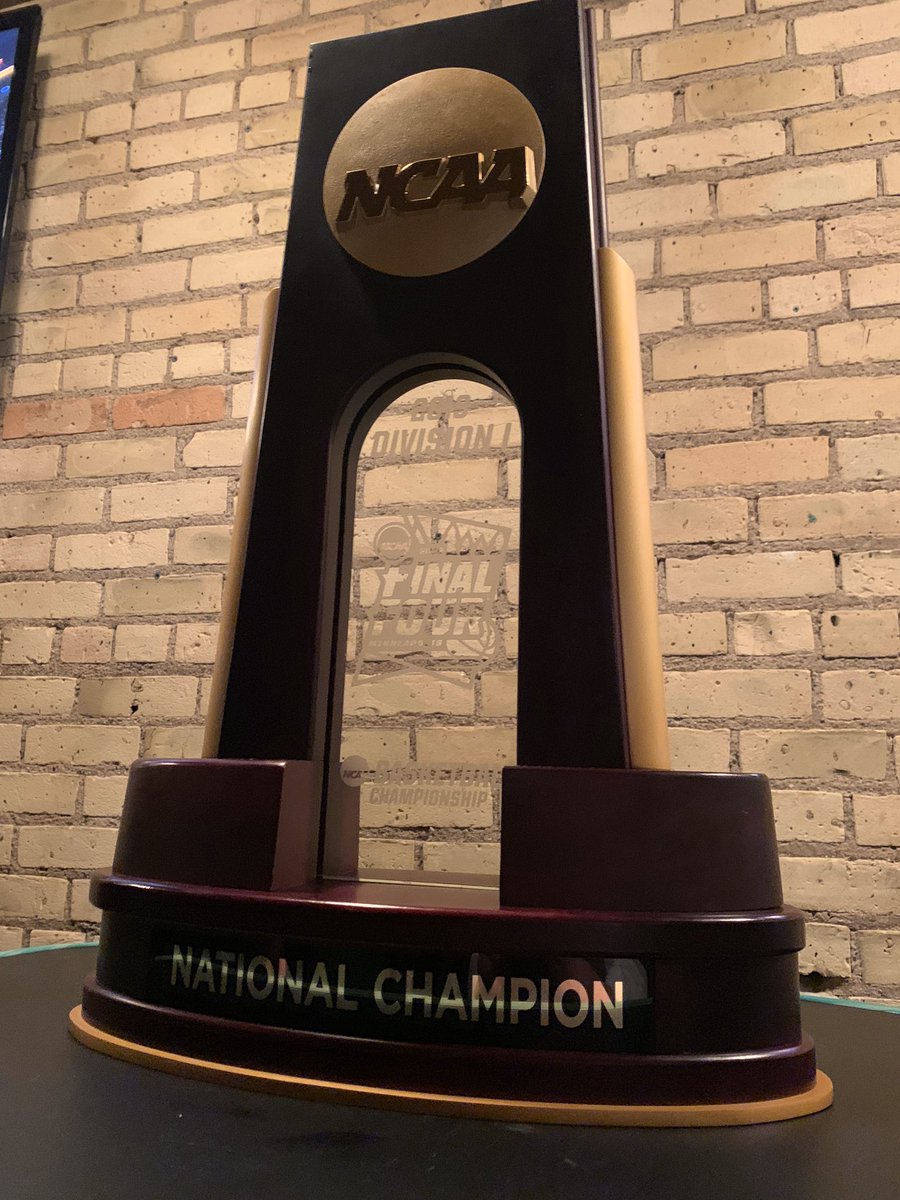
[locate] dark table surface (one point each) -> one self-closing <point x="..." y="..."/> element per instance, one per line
<point x="76" y="1125"/>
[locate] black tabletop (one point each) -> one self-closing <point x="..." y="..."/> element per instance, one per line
<point x="76" y="1125"/>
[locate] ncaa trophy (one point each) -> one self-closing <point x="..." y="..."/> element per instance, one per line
<point x="634" y="964"/>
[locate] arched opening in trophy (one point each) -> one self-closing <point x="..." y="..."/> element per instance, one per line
<point x="428" y="651"/>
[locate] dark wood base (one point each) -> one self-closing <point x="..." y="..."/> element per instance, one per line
<point x="617" y="995"/>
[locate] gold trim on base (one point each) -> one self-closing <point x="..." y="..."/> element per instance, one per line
<point x="755" y="1112"/>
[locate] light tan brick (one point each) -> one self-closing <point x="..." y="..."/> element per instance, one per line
<point x="25" y="553"/>
<point x="10" y="937"/>
<point x="739" y="249"/>
<point x="167" y="594"/>
<point x="408" y="692"/>
<point x="277" y="127"/>
<point x="180" y="498"/>
<point x="787" y="573"/>
<point x="183" y="145"/>
<point x="809" y="816"/>
<point x="871" y="573"/>
<point x="202" y="544"/>
<point x="713" y="303"/>
<point x="692" y="12"/>
<point x="74" y="333"/>
<point x="474" y="479"/>
<point x="405" y="13"/>
<point x="55" y="937"/>
<point x="184" y="319"/>
<point x="613" y="66"/>
<point x="384" y="744"/>
<point x="80" y="14"/>
<point x="744" y="693"/>
<point x="742" y="463"/>
<point x="876" y="457"/>
<point x="467" y="858"/>
<point x="36" y="379"/>
<point x="731" y="354"/>
<point x="690" y="53"/>
<point x="28" y="464"/>
<point x="87" y="87"/>
<point x="87" y="371"/>
<point x="104" y="795"/>
<point x="134" y="37"/>
<point x="639" y="256"/>
<point x="10" y="741"/>
<point x="860" y="695"/>
<point x="174" y="741"/>
<point x="890" y="167"/>
<point x="689" y="634"/>
<point x="142" y="367"/>
<point x="880" y="953"/>
<point x="142" y="643"/>
<point x="661" y="310"/>
<point x="853" y="27"/>
<point x="141" y="195"/>
<point x="61" y="52"/>
<point x="777" y="632"/>
<point x="122" y="456"/>
<point x="841" y="885"/>
<point x="127" y="284"/>
<point x="827" y="951"/>
<point x="488" y="746"/>
<point x="86" y="644"/>
<point x="38" y="792"/>
<point x="650" y="207"/>
<point x="202" y="358"/>
<point x="25" y="645"/>
<point x="215" y="448"/>
<point x="35" y="897"/>
<point x="499" y="693"/>
<point x="43" y="212"/>
<point x="615" y="164"/>
<point x="6" y="836"/>
<point x="159" y="108"/>
<point x="81" y="745"/>
<point x="697" y="410"/>
<point x="259" y="90"/>
<point x="857" y="633"/>
<point x="871" y="234"/>
<point x="35" y="694"/>
<point x="236" y="267"/>
<point x="85" y="162"/>
<point x="108" y="119"/>
<point x="871" y="75"/>
<point x="804" y="295"/>
<point x="143" y="696"/>
<point x="835" y="515"/>
<point x="198" y="227"/>
<point x="56" y="131"/>
<point x="40" y="293"/>
<point x="877" y="820"/>
<point x="379" y="854"/>
<point x="72" y="507"/>
<point x="814" y="753"/>
<point x="194" y="62"/>
<point x="289" y="45"/>
<point x="680" y="522"/>
<point x="82" y="909"/>
<point x="751" y="141"/>
<point x="35" y="600"/>
<point x="82" y="848"/>
<point x="871" y="286"/>
<point x="803" y="187"/>
<point x="101" y="551"/>
<point x="630" y="114"/>
<point x="247" y="175"/>
<point x="642" y="16"/>
<point x="859" y="341"/>
<point x="737" y="95"/>
<point x="859" y="125"/>
<point x="849" y="398"/>
<point x="196" y="643"/>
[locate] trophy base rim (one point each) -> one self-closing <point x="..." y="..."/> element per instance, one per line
<point x="754" y="1112"/>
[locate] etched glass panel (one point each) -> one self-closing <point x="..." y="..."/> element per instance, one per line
<point x="430" y="694"/>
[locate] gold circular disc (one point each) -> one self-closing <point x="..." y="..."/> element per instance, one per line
<point x="755" y="1112"/>
<point x="430" y="118"/>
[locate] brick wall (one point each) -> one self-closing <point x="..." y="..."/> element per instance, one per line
<point x="753" y="157"/>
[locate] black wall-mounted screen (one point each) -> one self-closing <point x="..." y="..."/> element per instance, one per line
<point x="19" y="30"/>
